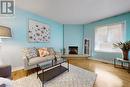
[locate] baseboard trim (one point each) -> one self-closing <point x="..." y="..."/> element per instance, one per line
<point x="17" y="68"/>
<point x="109" y="62"/>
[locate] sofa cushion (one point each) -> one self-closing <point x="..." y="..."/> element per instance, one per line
<point x="43" y="52"/>
<point x="38" y="60"/>
<point x="30" y="52"/>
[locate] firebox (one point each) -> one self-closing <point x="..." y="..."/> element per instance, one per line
<point x="73" y="49"/>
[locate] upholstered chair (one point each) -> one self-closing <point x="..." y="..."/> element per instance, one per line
<point x="5" y="72"/>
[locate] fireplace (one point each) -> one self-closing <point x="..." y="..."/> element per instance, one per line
<point x="73" y="49"/>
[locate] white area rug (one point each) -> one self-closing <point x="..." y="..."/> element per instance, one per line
<point x="76" y="77"/>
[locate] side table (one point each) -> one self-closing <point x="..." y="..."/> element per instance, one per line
<point x="122" y="61"/>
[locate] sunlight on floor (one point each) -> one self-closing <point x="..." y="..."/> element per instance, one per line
<point x="107" y="79"/>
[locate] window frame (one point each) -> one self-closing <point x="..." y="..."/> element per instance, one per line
<point x="124" y="35"/>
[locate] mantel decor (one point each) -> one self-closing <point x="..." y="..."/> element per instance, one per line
<point x="125" y="47"/>
<point x="38" y="32"/>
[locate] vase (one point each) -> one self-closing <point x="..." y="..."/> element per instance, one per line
<point x="125" y="54"/>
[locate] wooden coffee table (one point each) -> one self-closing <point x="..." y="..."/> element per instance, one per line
<point x="51" y="69"/>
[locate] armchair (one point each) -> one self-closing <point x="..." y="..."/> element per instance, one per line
<point x="5" y="72"/>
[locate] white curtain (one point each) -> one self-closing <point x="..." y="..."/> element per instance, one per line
<point x="105" y="36"/>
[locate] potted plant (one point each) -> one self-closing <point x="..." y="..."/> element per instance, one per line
<point x="125" y="47"/>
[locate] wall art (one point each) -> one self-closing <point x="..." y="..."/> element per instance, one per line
<point x="38" y="32"/>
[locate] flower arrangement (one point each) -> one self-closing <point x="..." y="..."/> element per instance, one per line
<point x="122" y="45"/>
<point x="125" y="47"/>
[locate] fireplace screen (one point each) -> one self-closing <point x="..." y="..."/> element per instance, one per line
<point x="73" y="49"/>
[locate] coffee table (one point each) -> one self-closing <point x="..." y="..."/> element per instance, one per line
<point x="51" y="69"/>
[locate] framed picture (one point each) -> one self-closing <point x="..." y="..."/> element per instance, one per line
<point x="38" y="32"/>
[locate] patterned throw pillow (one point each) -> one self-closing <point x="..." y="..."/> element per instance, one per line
<point x="30" y="52"/>
<point x="43" y="52"/>
<point x="51" y="51"/>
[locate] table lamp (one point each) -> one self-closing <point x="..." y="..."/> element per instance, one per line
<point x="5" y="32"/>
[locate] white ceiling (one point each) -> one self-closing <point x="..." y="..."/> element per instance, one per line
<point x="75" y="11"/>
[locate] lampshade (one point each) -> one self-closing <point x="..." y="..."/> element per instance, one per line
<point x="5" y="32"/>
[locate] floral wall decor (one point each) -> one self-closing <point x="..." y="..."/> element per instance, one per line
<point x="38" y="32"/>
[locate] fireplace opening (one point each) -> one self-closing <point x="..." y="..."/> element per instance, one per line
<point x="73" y="49"/>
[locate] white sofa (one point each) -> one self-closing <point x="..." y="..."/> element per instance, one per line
<point x="32" y="62"/>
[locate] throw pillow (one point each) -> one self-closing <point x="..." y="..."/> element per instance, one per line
<point x="31" y="52"/>
<point x="51" y="51"/>
<point x="43" y="52"/>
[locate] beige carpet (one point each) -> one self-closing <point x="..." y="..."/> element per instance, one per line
<point x="76" y="77"/>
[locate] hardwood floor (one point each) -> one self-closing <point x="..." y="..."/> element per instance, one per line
<point x="22" y="73"/>
<point x="107" y="75"/>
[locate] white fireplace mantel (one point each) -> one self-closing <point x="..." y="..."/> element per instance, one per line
<point x="73" y="55"/>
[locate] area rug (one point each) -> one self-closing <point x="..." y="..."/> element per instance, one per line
<point x="76" y="77"/>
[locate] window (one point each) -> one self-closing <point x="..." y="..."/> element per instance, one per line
<point x="105" y="36"/>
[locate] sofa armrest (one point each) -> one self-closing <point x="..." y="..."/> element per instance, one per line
<point x="5" y="71"/>
<point x="26" y="61"/>
<point x="58" y="55"/>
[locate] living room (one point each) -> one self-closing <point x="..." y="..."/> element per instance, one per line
<point x="82" y="32"/>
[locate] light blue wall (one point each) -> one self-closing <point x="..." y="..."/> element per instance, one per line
<point x="89" y="32"/>
<point x="73" y="36"/>
<point x="11" y="49"/>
